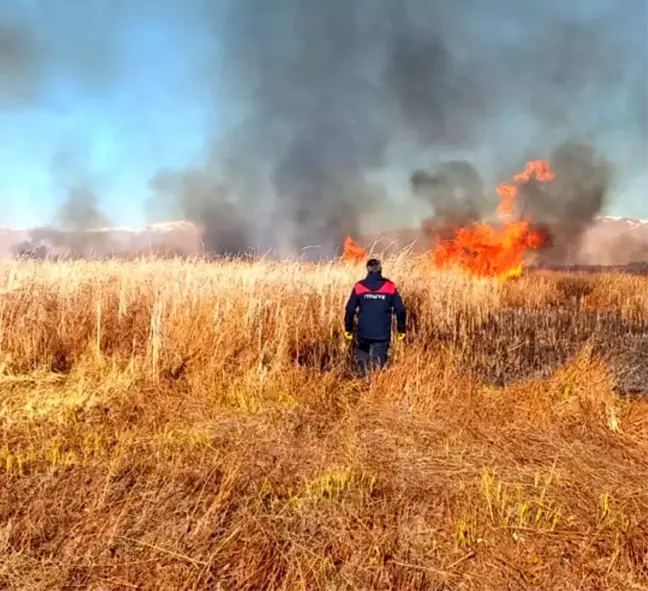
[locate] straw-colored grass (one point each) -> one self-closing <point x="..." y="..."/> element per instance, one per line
<point x="193" y="425"/>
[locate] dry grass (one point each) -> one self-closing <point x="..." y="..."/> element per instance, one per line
<point x="179" y="425"/>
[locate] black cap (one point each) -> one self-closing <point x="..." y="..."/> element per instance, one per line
<point x="373" y="266"/>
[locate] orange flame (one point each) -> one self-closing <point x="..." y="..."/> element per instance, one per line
<point x="353" y="253"/>
<point x="485" y="251"/>
<point x="540" y="168"/>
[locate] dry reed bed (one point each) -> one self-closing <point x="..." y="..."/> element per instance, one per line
<point x="192" y="425"/>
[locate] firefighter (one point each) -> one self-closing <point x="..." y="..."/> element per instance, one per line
<point x="374" y="298"/>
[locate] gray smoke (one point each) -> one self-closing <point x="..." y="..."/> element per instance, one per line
<point x="20" y="64"/>
<point x="331" y="89"/>
<point x="202" y="198"/>
<point x="440" y="98"/>
<point x="82" y="51"/>
<point x="566" y="207"/>
<point x="70" y="233"/>
<point x="80" y="207"/>
<point x="323" y="96"/>
<point x="456" y="192"/>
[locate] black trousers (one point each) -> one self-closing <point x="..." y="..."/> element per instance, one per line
<point x="371" y="354"/>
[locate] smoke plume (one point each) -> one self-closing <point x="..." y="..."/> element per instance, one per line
<point x="315" y="100"/>
<point x="80" y="207"/>
<point x="200" y="197"/>
<point x="567" y="206"/>
<point x="329" y="86"/>
<point x="331" y="89"/>
<point x="456" y="192"/>
<point x="32" y="53"/>
<point x="70" y="233"/>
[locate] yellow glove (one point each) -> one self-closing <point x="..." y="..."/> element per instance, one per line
<point x="347" y="335"/>
<point x="401" y="336"/>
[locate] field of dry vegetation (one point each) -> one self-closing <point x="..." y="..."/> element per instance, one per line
<point x="193" y="425"/>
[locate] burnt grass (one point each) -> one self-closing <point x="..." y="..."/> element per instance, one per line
<point x="518" y="340"/>
<point x="516" y="344"/>
<point x="522" y="339"/>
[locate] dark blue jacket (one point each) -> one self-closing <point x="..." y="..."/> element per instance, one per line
<point x="374" y="298"/>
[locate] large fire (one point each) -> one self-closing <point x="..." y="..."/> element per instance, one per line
<point x="484" y="250"/>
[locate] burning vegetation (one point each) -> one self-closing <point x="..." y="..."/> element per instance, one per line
<point x="481" y="249"/>
<point x="485" y="250"/>
<point x="353" y="252"/>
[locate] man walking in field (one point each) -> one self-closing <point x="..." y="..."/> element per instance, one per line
<point x="374" y="298"/>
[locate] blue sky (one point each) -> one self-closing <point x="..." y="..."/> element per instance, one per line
<point x="119" y="90"/>
<point x="142" y="111"/>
